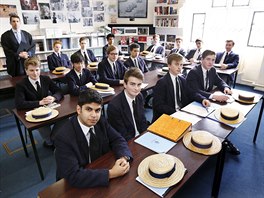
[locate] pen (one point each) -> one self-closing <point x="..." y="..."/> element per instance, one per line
<point x="207" y="109"/>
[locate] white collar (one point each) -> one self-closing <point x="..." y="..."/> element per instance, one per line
<point x="129" y="100"/>
<point x="85" y="129"/>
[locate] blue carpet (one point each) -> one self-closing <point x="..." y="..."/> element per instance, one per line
<point x="243" y="175"/>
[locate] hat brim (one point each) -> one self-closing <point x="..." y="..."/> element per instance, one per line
<point x="218" y="116"/>
<point x="61" y="72"/>
<point x="235" y="96"/>
<point x="144" y="175"/>
<point x="54" y="113"/>
<point x="214" y="149"/>
<point x="102" y="90"/>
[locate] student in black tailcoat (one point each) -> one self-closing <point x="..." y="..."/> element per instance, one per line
<point x="79" y="78"/>
<point x="178" y="49"/>
<point x="156" y="47"/>
<point x="83" y="139"/>
<point x="126" y="110"/>
<point x="27" y="95"/>
<point x="194" y="55"/>
<point x="18" y="45"/>
<point x="111" y="70"/>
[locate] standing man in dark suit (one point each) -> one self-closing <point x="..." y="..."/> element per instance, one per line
<point x="79" y="78"/>
<point x="111" y="70"/>
<point x="18" y="46"/>
<point x="134" y="60"/>
<point x="228" y="60"/>
<point x="202" y="78"/>
<point x="126" y="110"/>
<point x="35" y="91"/>
<point x="156" y="47"/>
<point x="57" y="58"/>
<point x="110" y="41"/>
<point x="194" y="55"/>
<point x="171" y="92"/>
<point x="88" y="55"/>
<point x="178" y="49"/>
<point x="86" y="137"/>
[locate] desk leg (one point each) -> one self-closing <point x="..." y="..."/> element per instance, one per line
<point x="234" y="85"/>
<point x="219" y="170"/>
<point x="21" y="136"/>
<point x="36" y="154"/>
<point x="259" y="120"/>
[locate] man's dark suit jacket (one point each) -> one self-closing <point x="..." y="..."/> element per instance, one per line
<point x="164" y="96"/>
<point x="120" y="116"/>
<point x="89" y="53"/>
<point x="26" y="96"/>
<point x="105" y="51"/>
<point x="72" y="153"/>
<point x="191" y="54"/>
<point x="75" y="84"/>
<point x="106" y="74"/>
<point x="195" y="81"/>
<point x="55" y="61"/>
<point x="231" y="60"/>
<point x="141" y="63"/>
<point x="181" y="51"/>
<point x="159" y="50"/>
<point x="15" y="64"/>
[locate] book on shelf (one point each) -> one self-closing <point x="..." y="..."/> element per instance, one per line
<point x="170" y="127"/>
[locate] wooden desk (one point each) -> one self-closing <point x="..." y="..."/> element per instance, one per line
<point x="70" y="102"/>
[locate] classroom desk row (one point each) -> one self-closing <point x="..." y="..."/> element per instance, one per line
<point x="127" y="186"/>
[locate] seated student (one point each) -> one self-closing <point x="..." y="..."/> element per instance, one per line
<point x="86" y="137"/>
<point x="134" y="60"/>
<point x="79" y="78"/>
<point x="171" y="92"/>
<point x="194" y="55"/>
<point x="57" y="58"/>
<point x="126" y="110"/>
<point x="156" y="47"/>
<point x="110" y="41"/>
<point x="36" y="90"/>
<point x="111" y="70"/>
<point x="87" y="54"/>
<point x="202" y="78"/>
<point x="228" y="59"/>
<point x="178" y="49"/>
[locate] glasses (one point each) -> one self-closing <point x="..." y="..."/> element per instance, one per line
<point x="113" y="54"/>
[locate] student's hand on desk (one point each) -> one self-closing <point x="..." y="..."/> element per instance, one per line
<point x="121" y="82"/>
<point x="47" y="100"/>
<point x="220" y="98"/>
<point x="223" y="66"/>
<point x="227" y="91"/>
<point x="120" y="168"/>
<point x="89" y="84"/>
<point x="206" y="103"/>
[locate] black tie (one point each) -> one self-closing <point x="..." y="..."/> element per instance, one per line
<point x="207" y="80"/>
<point x="136" y="114"/>
<point x="178" y="98"/>
<point x="115" y="70"/>
<point x="80" y="78"/>
<point x="226" y="56"/>
<point x="94" y="146"/>
<point x="85" y="59"/>
<point x="135" y="63"/>
<point x="39" y="89"/>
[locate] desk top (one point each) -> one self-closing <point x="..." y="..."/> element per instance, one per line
<point x="130" y="187"/>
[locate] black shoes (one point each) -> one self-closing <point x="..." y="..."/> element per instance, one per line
<point x="232" y="148"/>
<point x="49" y="146"/>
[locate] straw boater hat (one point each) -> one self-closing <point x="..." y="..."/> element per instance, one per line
<point x="202" y="142"/>
<point x="59" y="70"/>
<point x="161" y="170"/>
<point x="41" y="114"/>
<point x="102" y="87"/>
<point x="247" y="98"/>
<point x="229" y="115"/>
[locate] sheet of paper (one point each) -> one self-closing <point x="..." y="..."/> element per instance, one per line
<point x="155" y="143"/>
<point x="159" y="191"/>
<point x="198" y="109"/>
<point x="186" y="116"/>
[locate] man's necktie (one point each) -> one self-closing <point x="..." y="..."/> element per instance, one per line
<point x="226" y="56"/>
<point x="85" y="59"/>
<point x="114" y="70"/>
<point x="39" y="89"/>
<point x="94" y="148"/>
<point x="136" y="114"/>
<point x="135" y="63"/>
<point x="207" y="80"/>
<point x="178" y="96"/>
<point x="80" y="76"/>
<point x="18" y="37"/>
